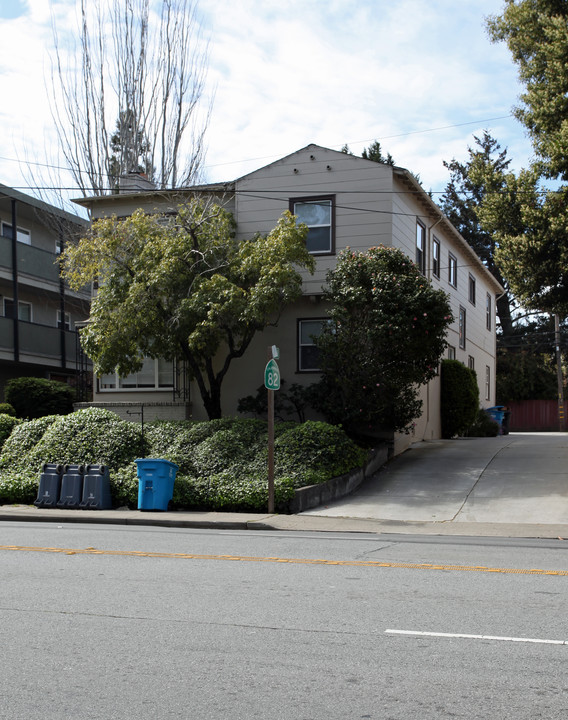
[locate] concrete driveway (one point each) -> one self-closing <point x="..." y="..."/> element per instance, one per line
<point x="518" y="478"/>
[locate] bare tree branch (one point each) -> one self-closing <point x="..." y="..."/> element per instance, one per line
<point x="130" y="96"/>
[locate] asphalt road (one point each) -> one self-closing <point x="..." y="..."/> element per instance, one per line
<point x="111" y="622"/>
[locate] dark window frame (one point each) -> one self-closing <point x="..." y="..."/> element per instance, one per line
<point x="488" y="312"/>
<point x="471" y="289"/>
<point x="314" y="199"/>
<point x="300" y="345"/>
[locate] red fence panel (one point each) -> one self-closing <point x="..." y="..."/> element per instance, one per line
<point x="534" y="416"/>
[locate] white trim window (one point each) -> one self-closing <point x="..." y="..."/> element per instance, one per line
<point x="420" y="246"/>
<point x="154" y="375"/>
<point x="67" y="321"/>
<point x="487" y="382"/>
<point x="452" y="270"/>
<point x="318" y="214"/>
<point x="488" y="312"/>
<point x="24" y="310"/>
<point x="451" y="352"/>
<point x="24" y="236"/>
<point x="436" y="258"/>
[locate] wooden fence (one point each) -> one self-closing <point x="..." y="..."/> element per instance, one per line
<point x="534" y="416"/>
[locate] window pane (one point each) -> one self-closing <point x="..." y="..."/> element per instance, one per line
<point x="308" y="330"/>
<point x="107" y="382"/>
<point x="146" y="376"/>
<point x="317" y="216"/>
<point x="22" y="236"/>
<point x="314" y="213"/>
<point x="319" y="240"/>
<point x="309" y="357"/>
<point x="165" y="373"/>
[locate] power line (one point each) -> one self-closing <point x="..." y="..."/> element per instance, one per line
<point x="268" y="157"/>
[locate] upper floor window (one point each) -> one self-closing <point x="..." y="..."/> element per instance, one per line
<point x="471" y="362"/>
<point x="461" y="328"/>
<point x="487" y="382"/>
<point x="471" y="289"/>
<point x="154" y="375"/>
<point x="23" y="236"/>
<point x="452" y="270"/>
<point x="451" y="352"/>
<point x="67" y="324"/>
<point x="420" y="246"/>
<point x="308" y="352"/>
<point x="24" y="310"/>
<point x="488" y="312"/>
<point x="318" y="214"/>
<point x="436" y="258"/>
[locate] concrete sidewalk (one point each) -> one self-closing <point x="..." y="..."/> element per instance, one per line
<point x="513" y="486"/>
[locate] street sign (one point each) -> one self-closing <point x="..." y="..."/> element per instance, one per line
<point x="272" y="376"/>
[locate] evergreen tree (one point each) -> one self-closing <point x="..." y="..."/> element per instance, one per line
<point x="374" y="153"/>
<point x="469" y="185"/>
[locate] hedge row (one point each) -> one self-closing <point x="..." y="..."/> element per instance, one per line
<point x="222" y="463"/>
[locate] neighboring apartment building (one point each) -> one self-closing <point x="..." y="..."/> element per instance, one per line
<point x="345" y="201"/>
<point x="38" y="312"/>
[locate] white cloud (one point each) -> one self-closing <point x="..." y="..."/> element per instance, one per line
<point x="289" y="72"/>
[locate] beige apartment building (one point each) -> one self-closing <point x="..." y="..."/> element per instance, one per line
<point x="346" y="201"/>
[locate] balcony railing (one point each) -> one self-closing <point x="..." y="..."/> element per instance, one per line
<point x="40" y="343"/>
<point x="31" y="260"/>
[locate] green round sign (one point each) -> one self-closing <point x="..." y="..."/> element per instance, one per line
<point x="272" y="376"/>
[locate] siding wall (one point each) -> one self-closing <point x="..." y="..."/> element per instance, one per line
<point x="374" y="204"/>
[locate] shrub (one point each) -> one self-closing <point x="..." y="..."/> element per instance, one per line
<point x="314" y="452"/>
<point x="35" y="397"/>
<point x="23" y="439"/>
<point x="233" y="449"/>
<point x="7" y="424"/>
<point x="223" y="463"/>
<point x="7" y="409"/>
<point x="124" y="486"/>
<point x="459" y="398"/>
<point x="183" y="448"/>
<point x="92" y="435"/>
<point x="18" y="487"/>
<point x="483" y="426"/>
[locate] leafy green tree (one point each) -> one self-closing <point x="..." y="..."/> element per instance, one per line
<point x="537" y="36"/>
<point x="386" y="334"/>
<point x="530" y="223"/>
<point x="529" y="226"/>
<point x="470" y="183"/>
<point x="184" y="287"/>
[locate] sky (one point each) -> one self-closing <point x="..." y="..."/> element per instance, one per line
<point x="420" y="77"/>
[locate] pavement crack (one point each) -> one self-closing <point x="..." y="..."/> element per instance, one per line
<point x="203" y="623"/>
<point x="481" y="474"/>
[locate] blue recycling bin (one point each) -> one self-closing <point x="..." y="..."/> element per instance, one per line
<point x="497" y="413"/>
<point x="155" y="483"/>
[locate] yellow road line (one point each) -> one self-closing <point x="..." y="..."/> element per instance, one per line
<point x="293" y="561"/>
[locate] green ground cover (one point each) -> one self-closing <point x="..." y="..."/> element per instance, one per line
<point x="222" y="463"/>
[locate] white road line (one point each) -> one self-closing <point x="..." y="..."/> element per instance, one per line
<point x="476" y="637"/>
